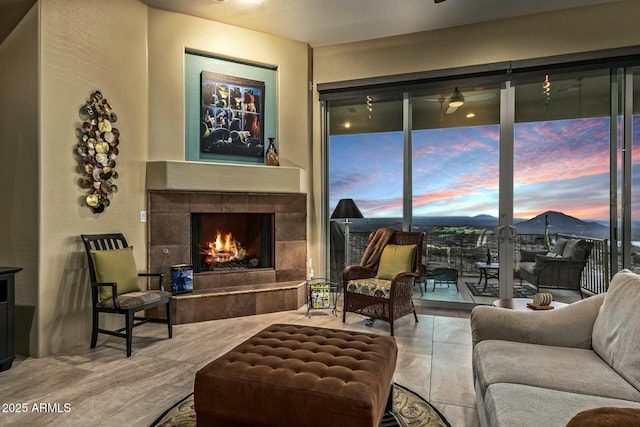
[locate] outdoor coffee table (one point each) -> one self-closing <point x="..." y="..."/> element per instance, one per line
<point x="488" y="271"/>
<point x="520" y="304"/>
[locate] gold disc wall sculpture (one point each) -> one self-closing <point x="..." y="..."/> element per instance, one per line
<point x="98" y="149"/>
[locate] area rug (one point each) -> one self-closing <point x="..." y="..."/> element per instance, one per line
<point x="519" y="291"/>
<point x="409" y="409"/>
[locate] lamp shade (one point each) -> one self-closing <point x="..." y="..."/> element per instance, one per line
<point x="346" y="209"/>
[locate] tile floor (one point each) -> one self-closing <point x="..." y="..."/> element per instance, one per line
<point x="449" y="294"/>
<point x="102" y="387"/>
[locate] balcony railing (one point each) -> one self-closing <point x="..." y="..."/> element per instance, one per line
<point x="462" y="251"/>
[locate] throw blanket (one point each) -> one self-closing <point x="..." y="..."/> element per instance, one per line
<point x="377" y="241"/>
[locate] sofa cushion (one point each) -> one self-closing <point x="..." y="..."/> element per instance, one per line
<point x="616" y="331"/>
<point x="557" y="368"/>
<point x="396" y="259"/>
<point x="526" y="406"/>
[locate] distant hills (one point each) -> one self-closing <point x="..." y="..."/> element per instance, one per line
<point x="562" y="223"/>
<point x="558" y="223"/>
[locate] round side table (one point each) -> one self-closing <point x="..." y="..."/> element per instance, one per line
<point x="521" y="304"/>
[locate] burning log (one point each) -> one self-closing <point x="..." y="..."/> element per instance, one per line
<point x="222" y="250"/>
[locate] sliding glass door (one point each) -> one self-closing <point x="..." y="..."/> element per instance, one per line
<point x="365" y="153"/>
<point x="492" y="167"/>
<point x="562" y="162"/>
<point x="455" y="170"/>
<point x="634" y="179"/>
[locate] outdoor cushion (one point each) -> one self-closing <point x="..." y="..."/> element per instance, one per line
<point x="119" y="266"/>
<point x="553" y="255"/>
<point x="558" y="248"/>
<point x="616" y="331"/>
<point x="396" y="259"/>
<point x="575" y="250"/>
<point x="541" y="260"/>
<point x="371" y="286"/>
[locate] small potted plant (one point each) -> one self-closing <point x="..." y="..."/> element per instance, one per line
<point x="516" y="271"/>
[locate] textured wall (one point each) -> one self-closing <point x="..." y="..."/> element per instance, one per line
<point x="86" y="46"/>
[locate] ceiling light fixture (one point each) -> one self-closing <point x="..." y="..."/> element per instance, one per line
<point x="546" y="89"/>
<point x="470" y="115"/>
<point x="456" y="99"/>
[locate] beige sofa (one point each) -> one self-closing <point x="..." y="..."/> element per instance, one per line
<point x="534" y="368"/>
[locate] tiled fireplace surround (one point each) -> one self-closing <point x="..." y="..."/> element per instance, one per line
<point x="224" y="294"/>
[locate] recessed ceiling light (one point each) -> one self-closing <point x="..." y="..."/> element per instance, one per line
<point x="471" y="115"/>
<point x="347" y="125"/>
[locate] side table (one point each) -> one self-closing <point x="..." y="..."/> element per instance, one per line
<point x="7" y="316"/>
<point x="488" y="271"/>
<point x="520" y="304"/>
<point x="322" y="294"/>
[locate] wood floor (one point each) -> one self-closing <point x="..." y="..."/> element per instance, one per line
<point x="102" y="387"/>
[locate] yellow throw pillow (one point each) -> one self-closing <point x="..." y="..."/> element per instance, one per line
<point x="396" y="259"/>
<point x="117" y="265"/>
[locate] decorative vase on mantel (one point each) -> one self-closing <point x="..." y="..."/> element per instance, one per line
<point x="272" y="154"/>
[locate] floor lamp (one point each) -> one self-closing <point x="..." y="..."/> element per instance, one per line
<point x="346" y="210"/>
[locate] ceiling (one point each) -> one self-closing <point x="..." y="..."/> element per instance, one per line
<point x="12" y="12"/>
<point x="326" y="22"/>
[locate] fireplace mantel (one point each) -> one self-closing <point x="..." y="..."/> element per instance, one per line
<point x="200" y="176"/>
<point x="230" y="293"/>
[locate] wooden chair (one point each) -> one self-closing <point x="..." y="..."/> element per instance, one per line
<point x="395" y="299"/>
<point x="109" y="296"/>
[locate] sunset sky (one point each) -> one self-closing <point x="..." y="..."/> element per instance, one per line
<point x="559" y="165"/>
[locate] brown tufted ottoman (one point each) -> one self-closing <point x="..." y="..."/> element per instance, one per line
<point x="291" y="375"/>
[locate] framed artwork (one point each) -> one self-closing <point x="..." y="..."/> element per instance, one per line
<point x="230" y="109"/>
<point x="232" y="115"/>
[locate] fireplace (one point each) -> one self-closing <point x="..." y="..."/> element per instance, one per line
<point x="232" y="241"/>
<point x="276" y="220"/>
<point x="270" y="228"/>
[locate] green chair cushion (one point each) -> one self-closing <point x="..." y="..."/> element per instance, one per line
<point x="116" y="265"/>
<point x="396" y="259"/>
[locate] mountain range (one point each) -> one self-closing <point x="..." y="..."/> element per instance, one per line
<point x="562" y="223"/>
<point x="558" y="223"/>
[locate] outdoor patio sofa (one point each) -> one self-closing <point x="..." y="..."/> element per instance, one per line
<point x="534" y="368"/>
<point x="560" y="268"/>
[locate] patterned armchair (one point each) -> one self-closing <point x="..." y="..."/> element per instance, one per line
<point x="381" y="287"/>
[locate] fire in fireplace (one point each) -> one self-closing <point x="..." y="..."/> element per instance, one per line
<point x="223" y="241"/>
<point x="223" y="250"/>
